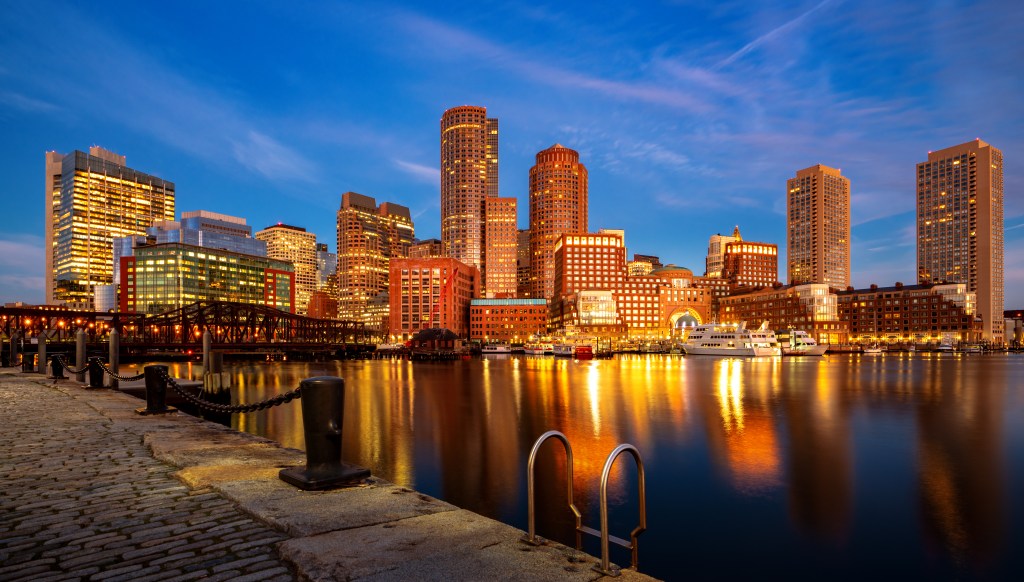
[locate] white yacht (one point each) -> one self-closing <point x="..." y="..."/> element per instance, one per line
<point x="496" y="348"/>
<point x="538" y="349"/>
<point x="730" y="339"/>
<point x="563" y="349"/>
<point x="795" y="342"/>
<point x="872" y="350"/>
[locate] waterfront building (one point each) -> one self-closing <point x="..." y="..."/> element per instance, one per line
<point x="295" y="245"/>
<point x="595" y="296"/>
<point x="425" y="249"/>
<point x="507" y="320"/>
<point x="369" y="238"/>
<point x="643" y="265"/>
<point x="322" y="305"/>
<point x="160" y="277"/>
<point x="434" y="292"/>
<point x="715" y="261"/>
<point x="523" y="263"/>
<point x="960" y="226"/>
<point x="818" y="227"/>
<point x="469" y="175"/>
<point x="501" y="243"/>
<point x="925" y="313"/>
<point x="206" y="229"/>
<point x="326" y="266"/>
<point x="91" y="199"/>
<point x="717" y="288"/>
<point x="558" y="206"/>
<point x="750" y="264"/>
<point x="812" y="307"/>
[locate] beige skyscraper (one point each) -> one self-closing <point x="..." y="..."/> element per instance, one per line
<point x="91" y="199"/>
<point x="715" y="261"/>
<point x="501" y="238"/>
<point x="294" y="244"/>
<point x="369" y="237"/>
<point x="469" y="175"/>
<point x="558" y="205"/>
<point x="818" y="227"/>
<point x="960" y="225"/>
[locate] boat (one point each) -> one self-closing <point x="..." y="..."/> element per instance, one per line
<point x="974" y="349"/>
<point x="795" y="342"/>
<point x="562" y="349"/>
<point x="583" y="352"/>
<point x="730" y="339"/>
<point x="538" y="349"/>
<point x="872" y="350"/>
<point x="496" y="348"/>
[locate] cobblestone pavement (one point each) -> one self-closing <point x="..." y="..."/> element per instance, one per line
<point x="82" y="498"/>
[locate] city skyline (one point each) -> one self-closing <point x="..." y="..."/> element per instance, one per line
<point x="695" y="117"/>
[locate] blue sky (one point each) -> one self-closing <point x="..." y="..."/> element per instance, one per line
<point x="690" y="116"/>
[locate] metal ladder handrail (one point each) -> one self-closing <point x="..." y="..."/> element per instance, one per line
<point x="605" y="566"/>
<point x="531" y="537"/>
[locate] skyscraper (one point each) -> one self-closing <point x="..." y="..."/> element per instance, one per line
<point x="501" y="242"/>
<point x="558" y="205"/>
<point x="469" y="175"/>
<point x="91" y="199"/>
<point x="369" y="237"/>
<point x="818" y="227"/>
<point x="960" y="225"/>
<point x="294" y="244"/>
<point x="714" y="262"/>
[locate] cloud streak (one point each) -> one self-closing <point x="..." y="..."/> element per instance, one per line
<point x="770" y="35"/>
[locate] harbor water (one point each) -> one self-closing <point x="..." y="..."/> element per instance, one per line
<point x="844" y="466"/>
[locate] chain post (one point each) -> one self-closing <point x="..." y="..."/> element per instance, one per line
<point x="323" y="407"/>
<point x="156" y="391"/>
<point x="57" y="367"/>
<point x="95" y="373"/>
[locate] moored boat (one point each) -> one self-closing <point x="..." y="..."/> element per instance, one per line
<point x="730" y="339"/>
<point x="562" y="349"/>
<point x="583" y="352"/>
<point x="872" y="350"/>
<point x="538" y="349"/>
<point x="795" y="342"/>
<point x="496" y="348"/>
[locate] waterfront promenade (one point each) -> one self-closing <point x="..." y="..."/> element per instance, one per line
<point x="90" y="490"/>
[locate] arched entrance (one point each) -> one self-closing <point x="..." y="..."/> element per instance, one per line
<point x="684" y="319"/>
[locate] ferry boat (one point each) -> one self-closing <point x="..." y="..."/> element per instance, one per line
<point x="795" y="342"/>
<point x="730" y="339"/>
<point x="496" y="348"/>
<point x="974" y="349"/>
<point x="538" y="349"/>
<point x="562" y="349"/>
<point x="583" y="352"/>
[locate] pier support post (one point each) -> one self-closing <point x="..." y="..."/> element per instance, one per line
<point x="115" y="357"/>
<point x="156" y="392"/>
<point x="323" y="409"/>
<point x="14" y="348"/>
<point x="80" y="361"/>
<point x="207" y="346"/>
<point x="42" y="352"/>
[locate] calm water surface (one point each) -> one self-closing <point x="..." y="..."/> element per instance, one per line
<point x="845" y="466"/>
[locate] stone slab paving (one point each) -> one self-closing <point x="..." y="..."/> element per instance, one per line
<point x="91" y="490"/>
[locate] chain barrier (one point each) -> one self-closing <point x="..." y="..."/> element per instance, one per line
<point x="69" y="368"/>
<point x="118" y="376"/>
<point x="225" y="408"/>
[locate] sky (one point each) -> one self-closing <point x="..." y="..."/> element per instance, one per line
<point x="690" y="116"/>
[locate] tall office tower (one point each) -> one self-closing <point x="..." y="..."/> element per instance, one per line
<point x="960" y="225"/>
<point x="716" y="252"/>
<point x="558" y="205"/>
<point x="206" y="229"/>
<point x="91" y="199"/>
<point x="818" y="227"/>
<point x="523" y="264"/>
<point x="469" y="175"/>
<point x="326" y="265"/>
<point x="501" y="242"/>
<point x="294" y="244"/>
<point x="750" y="264"/>
<point x="369" y="237"/>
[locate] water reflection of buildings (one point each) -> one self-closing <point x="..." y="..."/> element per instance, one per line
<point x="960" y="468"/>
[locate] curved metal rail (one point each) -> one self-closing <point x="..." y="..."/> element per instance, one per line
<point x="531" y="537"/>
<point x="605" y="566"/>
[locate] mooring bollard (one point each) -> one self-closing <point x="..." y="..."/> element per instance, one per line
<point x="323" y="408"/>
<point x="95" y="373"/>
<point x="156" y="391"/>
<point x="57" y="368"/>
<point x="28" y="362"/>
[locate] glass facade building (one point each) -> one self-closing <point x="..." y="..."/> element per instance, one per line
<point x="162" y="277"/>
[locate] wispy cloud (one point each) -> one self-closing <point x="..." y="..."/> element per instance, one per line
<point x="420" y="172"/>
<point x="26" y="103"/>
<point x="265" y="155"/>
<point x="1014" y="227"/>
<point x="771" y="35"/>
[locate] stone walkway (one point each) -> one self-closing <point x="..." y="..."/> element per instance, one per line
<point x="83" y="498"/>
<point x="89" y="490"/>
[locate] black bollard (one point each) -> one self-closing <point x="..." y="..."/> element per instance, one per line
<point x="156" y="391"/>
<point x="323" y="407"/>
<point x="95" y="373"/>
<point x="28" y="362"/>
<point x="57" y="368"/>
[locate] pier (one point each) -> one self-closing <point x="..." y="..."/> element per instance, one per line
<point x="94" y="490"/>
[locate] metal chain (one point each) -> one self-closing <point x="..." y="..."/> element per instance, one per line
<point x="206" y="404"/>
<point x="119" y="377"/>
<point x="69" y="368"/>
